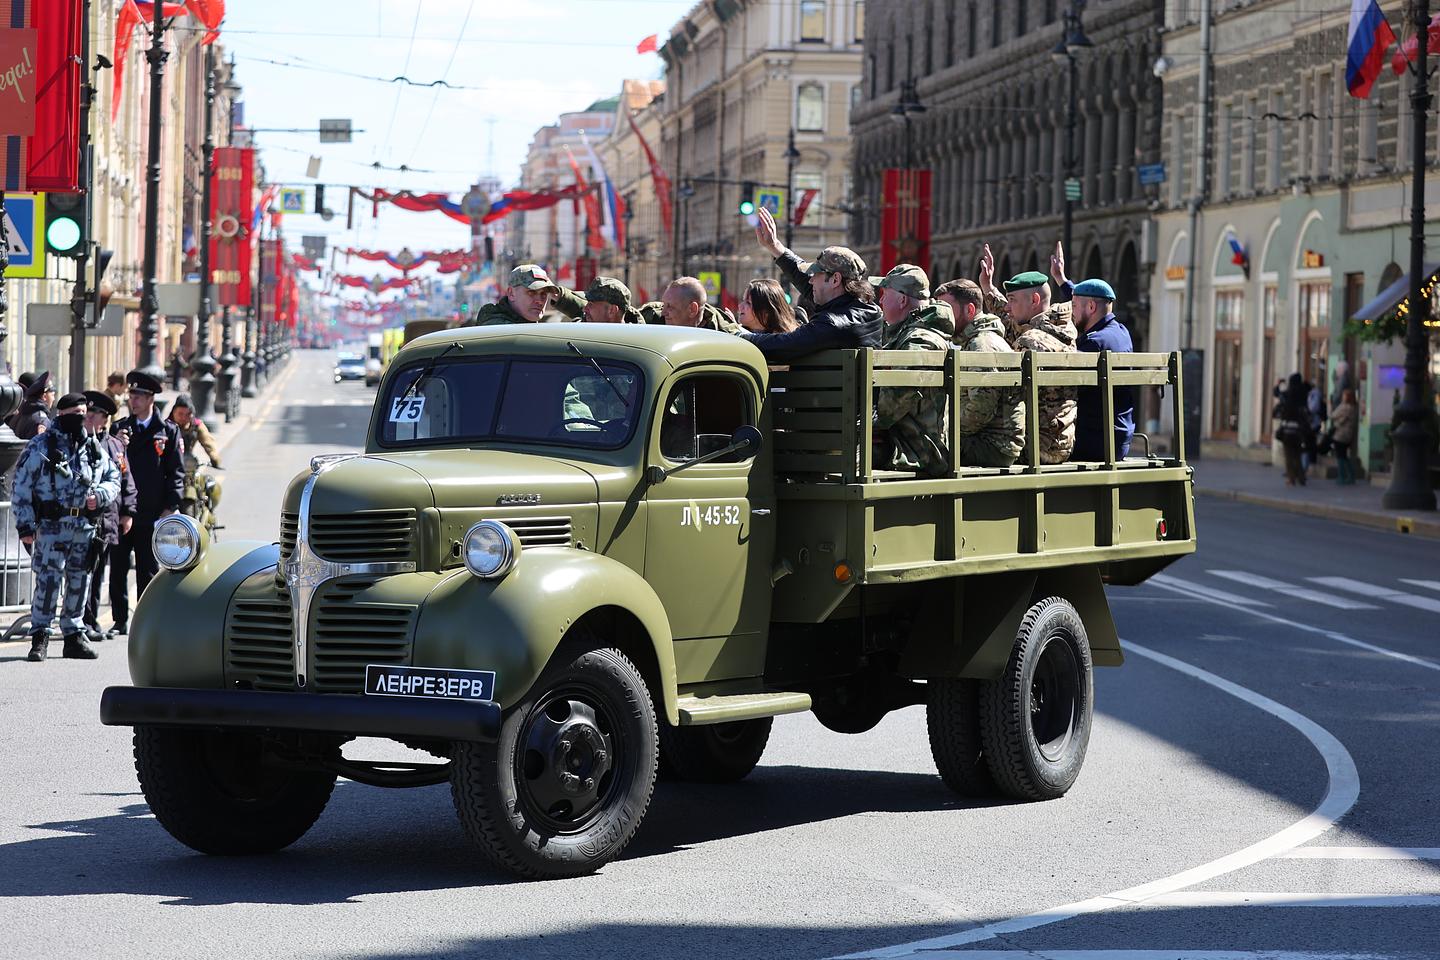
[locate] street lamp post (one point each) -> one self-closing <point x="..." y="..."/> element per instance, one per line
<point x="909" y="104"/>
<point x="629" y="217"/>
<point x="225" y="392"/>
<point x="202" y="367"/>
<point x="1068" y="51"/>
<point x="1409" y="486"/>
<point x="149" y="308"/>
<point x="791" y="155"/>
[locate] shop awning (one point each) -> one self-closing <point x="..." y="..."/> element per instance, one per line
<point x="1392" y="295"/>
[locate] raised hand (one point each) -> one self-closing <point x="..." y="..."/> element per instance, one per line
<point x="1057" y="264"/>
<point x="765" y="233"/>
<point x="987" y="269"/>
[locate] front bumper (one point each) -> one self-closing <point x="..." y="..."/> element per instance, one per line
<point x="351" y="714"/>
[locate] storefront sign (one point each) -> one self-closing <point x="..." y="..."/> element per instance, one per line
<point x="1313" y="260"/>
<point x="1174" y="273"/>
<point x="17" y="81"/>
<point x="40" y="77"/>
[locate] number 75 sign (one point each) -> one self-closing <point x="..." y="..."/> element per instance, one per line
<point x="407" y="409"/>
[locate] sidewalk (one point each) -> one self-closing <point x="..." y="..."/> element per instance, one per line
<point x="1264" y="485"/>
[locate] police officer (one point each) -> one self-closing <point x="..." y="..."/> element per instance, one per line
<point x="63" y="482"/>
<point x="155" y="454"/>
<point x="119" y="515"/>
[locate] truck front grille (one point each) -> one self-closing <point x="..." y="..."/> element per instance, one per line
<point x="259" y="642"/>
<point x="540" y="531"/>
<point x="366" y="536"/>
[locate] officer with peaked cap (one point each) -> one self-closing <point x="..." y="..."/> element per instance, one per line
<point x="63" y="482"/>
<point x="155" y="454"/>
<point x="119" y="516"/>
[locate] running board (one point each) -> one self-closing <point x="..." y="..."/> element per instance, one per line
<point x="698" y="708"/>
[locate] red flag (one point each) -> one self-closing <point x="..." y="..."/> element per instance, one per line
<point x="806" y="198"/>
<point x="1410" y="49"/>
<point x="650" y="44"/>
<point x="210" y="13"/>
<point x="593" y="238"/>
<point x="663" y="192"/>
<point x="232" y="240"/>
<point x="40" y="79"/>
<point x="129" y="17"/>
<point x="905" y="218"/>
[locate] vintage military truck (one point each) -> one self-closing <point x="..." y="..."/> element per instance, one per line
<point x="572" y="555"/>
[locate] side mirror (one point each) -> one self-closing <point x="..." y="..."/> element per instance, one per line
<point x="746" y="439"/>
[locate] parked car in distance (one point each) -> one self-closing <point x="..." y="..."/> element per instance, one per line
<point x="349" y="366"/>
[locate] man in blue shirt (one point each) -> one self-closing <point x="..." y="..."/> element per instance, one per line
<point x="1094" y="301"/>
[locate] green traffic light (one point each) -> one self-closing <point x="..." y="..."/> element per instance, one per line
<point x="63" y="234"/>
<point x="747" y="207"/>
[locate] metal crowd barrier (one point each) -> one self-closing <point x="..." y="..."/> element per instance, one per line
<point x="16" y="578"/>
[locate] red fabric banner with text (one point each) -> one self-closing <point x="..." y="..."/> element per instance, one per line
<point x="232" y="249"/>
<point x="40" y="79"/>
<point x="905" y="219"/>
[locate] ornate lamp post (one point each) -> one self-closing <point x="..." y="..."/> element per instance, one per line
<point x="202" y="366"/>
<point x="908" y="105"/>
<point x="1068" y="52"/>
<point x="147" y="359"/>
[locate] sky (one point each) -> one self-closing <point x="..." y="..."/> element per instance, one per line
<point x="521" y="63"/>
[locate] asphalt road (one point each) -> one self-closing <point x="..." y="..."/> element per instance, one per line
<point x="1261" y="782"/>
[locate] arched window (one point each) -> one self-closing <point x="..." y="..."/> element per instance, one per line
<point x="812" y="21"/>
<point x="810" y="108"/>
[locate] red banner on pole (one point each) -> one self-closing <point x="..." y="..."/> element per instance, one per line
<point x="40" y="78"/>
<point x="231" y="247"/>
<point x="269" y="257"/>
<point x="905" y="219"/>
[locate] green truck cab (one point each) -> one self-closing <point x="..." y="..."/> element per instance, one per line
<point x="573" y="556"/>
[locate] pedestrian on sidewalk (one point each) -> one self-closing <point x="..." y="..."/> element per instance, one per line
<point x="118" y="517"/>
<point x="63" y="483"/>
<point x="1292" y="427"/>
<point x="1316" y="413"/>
<point x="1344" y="422"/>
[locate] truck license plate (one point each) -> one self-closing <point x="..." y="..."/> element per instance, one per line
<point x="383" y="680"/>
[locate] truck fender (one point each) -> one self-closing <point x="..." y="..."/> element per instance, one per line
<point x="514" y="625"/>
<point x="176" y="638"/>
<point x="1085" y="591"/>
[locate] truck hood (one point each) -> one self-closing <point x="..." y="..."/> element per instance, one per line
<point x="491" y="478"/>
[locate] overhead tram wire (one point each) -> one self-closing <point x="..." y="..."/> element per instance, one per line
<point x="409" y="52"/>
<point x="459" y="38"/>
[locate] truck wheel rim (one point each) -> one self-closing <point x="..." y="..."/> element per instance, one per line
<point x="566" y="770"/>
<point x="1054" y="698"/>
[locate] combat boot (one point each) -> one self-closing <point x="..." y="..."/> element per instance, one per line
<point x="78" y="648"/>
<point x="94" y="634"/>
<point x="39" y="646"/>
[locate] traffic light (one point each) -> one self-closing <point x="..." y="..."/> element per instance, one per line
<point x="320" y="198"/>
<point x="489" y="249"/>
<point x="65" y="224"/>
<point x="747" y="199"/>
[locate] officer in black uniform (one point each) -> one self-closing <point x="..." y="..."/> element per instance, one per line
<point x="156" y="457"/>
<point x="119" y="515"/>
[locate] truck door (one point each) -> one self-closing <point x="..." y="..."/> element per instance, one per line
<point x="711" y="534"/>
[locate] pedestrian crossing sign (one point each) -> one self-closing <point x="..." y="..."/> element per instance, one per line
<point x="772" y="199"/>
<point x="24" y="219"/>
<point x="292" y="199"/>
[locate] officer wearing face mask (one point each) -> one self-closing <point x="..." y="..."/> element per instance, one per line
<point x="63" y="483"/>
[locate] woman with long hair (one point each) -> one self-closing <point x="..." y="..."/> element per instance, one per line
<point x="764" y="309"/>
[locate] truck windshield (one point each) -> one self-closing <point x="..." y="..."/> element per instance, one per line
<point x="563" y="401"/>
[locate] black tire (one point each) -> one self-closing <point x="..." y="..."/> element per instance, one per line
<point x="212" y="791"/>
<point x="1035" y="720"/>
<point x="952" y="714"/>
<point x="714" y="753"/>
<point x="515" y="803"/>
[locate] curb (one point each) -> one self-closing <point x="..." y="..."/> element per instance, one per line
<point x="1392" y="523"/>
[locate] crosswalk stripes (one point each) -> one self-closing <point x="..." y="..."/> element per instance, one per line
<point x="1209" y="593"/>
<point x="1291" y="590"/>
<point x="1427" y="584"/>
<point x="1379" y="592"/>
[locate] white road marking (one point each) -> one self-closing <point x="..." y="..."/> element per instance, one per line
<point x="1148" y="955"/>
<point x="1340" y="795"/>
<point x="1211" y="899"/>
<point x="1209" y="593"/>
<point x="1290" y="589"/>
<point x="1363" y="853"/>
<point x="1427" y="584"/>
<point x="1335" y="635"/>
<point x="1379" y="592"/>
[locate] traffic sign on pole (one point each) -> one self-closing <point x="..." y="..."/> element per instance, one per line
<point x="1072" y="189"/>
<point x="24" y="223"/>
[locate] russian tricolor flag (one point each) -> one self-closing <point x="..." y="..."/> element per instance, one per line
<point x="1370" y="37"/>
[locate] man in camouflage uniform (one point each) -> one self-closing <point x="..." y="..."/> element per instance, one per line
<point x="1035" y="322"/>
<point x="607" y="300"/>
<point x="529" y="294"/>
<point x="63" y="482"/>
<point x="991" y="419"/>
<point x="913" y="419"/>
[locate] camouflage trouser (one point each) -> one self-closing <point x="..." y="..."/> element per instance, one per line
<point x="61" y="556"/>
<point x="978" y="451"/>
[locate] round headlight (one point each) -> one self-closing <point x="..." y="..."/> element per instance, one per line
<point x="491" y="549"/>
<point x="177" y="542"/>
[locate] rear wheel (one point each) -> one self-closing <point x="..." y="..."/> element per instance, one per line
<point x="952" y="714"/>
<point x="214" y="791"/>
<point x="715" y="753"/>
<point x="567" y="783"/>
<point x="1035" y="720"/>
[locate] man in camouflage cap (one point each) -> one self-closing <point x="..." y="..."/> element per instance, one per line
<point x="529" y="293"/>
<point x="991" y="420"/>
<point x="1034" y="322"/>
<point x="911" y="421"/>
<point x="607" y="300"/>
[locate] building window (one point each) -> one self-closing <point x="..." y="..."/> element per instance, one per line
<point x="1222" y="157"/>
<point x="1020" y="25"/>
<point x="812" y="21"/>
<point x="971" y="19"/>
<point x="995" y="23"/>
<point x="1247" y="152"/>
<point x="874" y="76"/>
<point x="859" y="21"/>
<point x="950" y="33"/>
<point x="890" y="65"/>
<point x="1050" y="13"/>
<point x="854" y="97"/>
<point x="1269" y="306"/>
<point x="1314" y="302"/>
<point x="1229" y="361"/>
<point x="1273" y="141"/>
<point x="810" y="108"/>
<point x="929" y="41"/>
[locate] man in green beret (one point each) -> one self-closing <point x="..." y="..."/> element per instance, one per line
<point x="529" y="294"/>
<point x="911" y="421"/>
<point x="1034" y="322"/>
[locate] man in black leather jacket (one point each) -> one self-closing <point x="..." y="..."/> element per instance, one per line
<point x="845" y="315"/>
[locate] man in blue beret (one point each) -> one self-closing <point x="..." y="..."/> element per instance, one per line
<point x="1093" y="305"/>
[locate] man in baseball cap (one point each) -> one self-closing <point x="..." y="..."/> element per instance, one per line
<point x="529" y="293"/>
<point x="607" y="300"/>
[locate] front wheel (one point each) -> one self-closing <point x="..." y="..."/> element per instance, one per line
<point x="569" y="779"/>
<point x="1035" y="720"/>
<point x="215" y="792"/>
